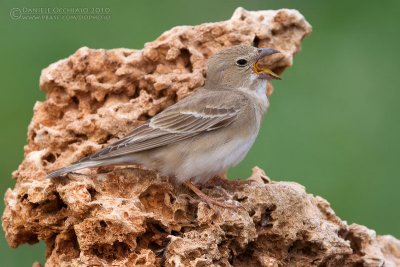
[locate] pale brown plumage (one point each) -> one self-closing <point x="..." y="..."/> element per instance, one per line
<point x="174" y="124"/>
<point x="202" y="134"/>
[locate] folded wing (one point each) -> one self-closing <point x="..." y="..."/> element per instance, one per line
<point x="176" y="123"/>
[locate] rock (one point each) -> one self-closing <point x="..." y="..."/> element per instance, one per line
<point x="128" y="216"/>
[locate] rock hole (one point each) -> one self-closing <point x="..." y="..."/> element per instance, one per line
<point x="141" y="261"/>
<point x="92" y="193"/>
<point x="244" y="258"/>
<point x="53" y="205"/>
<point x="155" y="237"/>
<point x="156" y="227"/>
<point x="61" y="114"/>
<point x="106" y="139"/>
<point x="103" y="224"/>
<point x="240" y="199"/>
<point x="303" y="247"/>
<point x="126" y="53"/>
<point x="81" y="136"/>
<point x="172" y="198"/>
<point x="34" y="205"/>
<point x="136" y="94"/>
<point x="33" y="135"/>
<point x="266" y="219"/>
<point x="117" y="251"/>
<point x="185" y="54"/>
<point x="50" y="158"/>
<point x="274" y="32"/>
<point x="252" y="212"/>
<point x="355" y="242"/>
<point x="157" y="248"/>
<point x="175" y="233"/>
<point x="143" y="117"/>
<point x="193" y="254"/>
<point x="75" y="100"/>
<point x="256" y="41"/>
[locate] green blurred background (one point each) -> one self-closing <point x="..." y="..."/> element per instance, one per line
<point x="333" y="124"/>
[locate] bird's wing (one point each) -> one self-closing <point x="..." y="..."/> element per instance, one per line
<point x="181" y="121"/>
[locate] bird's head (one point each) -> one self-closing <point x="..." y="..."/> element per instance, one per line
<point x="238" y="66"/>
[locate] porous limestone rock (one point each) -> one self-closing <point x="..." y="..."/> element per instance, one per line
<point x="129" y="216"/>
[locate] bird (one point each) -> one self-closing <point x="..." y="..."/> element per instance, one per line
<point x="203" y="134"/>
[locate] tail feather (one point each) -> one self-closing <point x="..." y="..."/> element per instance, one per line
<point x="73" y="167"/>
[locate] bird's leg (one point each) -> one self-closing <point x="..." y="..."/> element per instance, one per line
<point x="210" y="201"/>
<point x="222" y="180"/>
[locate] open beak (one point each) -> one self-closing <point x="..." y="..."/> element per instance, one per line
<point x="259" y="70"/>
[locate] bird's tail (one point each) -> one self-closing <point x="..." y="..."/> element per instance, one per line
<point x="74" y="167"/>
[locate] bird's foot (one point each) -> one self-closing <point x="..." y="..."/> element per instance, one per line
<point x="210" y="201"/>
<point x="225" y="182"/>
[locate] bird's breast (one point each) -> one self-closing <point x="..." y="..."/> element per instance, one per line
<point x="260" y="93"/>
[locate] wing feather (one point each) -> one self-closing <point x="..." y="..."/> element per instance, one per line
<point x="170" y="126"/>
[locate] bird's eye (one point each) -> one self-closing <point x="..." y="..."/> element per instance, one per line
<point x="241" y="62"/>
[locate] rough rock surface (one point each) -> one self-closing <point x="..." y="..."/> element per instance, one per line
<point x="129" y="216"/>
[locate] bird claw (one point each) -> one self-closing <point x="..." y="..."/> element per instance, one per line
<point x="226" y="183"/>
<point x="210" y="201"/>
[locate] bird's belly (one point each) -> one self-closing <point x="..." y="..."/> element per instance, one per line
<point x="203" y="163"/>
